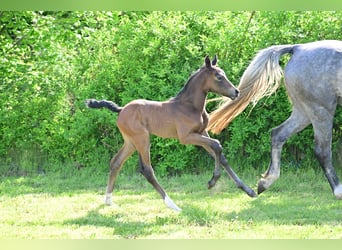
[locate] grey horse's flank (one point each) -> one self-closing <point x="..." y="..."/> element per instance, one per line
<point x="313" y="80"/>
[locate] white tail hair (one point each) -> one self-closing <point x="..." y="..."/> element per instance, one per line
<point x="261" y="78"/>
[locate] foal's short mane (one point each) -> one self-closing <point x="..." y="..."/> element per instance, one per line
<point x="186" y="85"/>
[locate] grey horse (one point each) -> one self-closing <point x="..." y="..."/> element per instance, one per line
<point x="313" y="80"/>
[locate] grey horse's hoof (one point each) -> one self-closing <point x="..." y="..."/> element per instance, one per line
<point x="261" y="189"/>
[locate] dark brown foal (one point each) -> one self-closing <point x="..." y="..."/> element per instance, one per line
<point x="183" y="117"/>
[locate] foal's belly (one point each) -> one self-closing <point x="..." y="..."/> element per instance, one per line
<point x="164" y="131"/>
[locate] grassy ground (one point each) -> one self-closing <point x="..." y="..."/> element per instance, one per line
<point x="299" y="205"/>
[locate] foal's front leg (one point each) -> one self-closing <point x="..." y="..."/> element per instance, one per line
<point x="216" y="156"/>
<point x="217" y="173"/>
<point x="213" y="153"/>
<point x="212" y="146"/>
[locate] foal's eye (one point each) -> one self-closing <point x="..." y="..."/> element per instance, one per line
<point x="219" y="77"/>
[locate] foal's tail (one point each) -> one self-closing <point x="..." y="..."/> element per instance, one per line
<point x="92" y="103"/>
<point x="261" y="78"/>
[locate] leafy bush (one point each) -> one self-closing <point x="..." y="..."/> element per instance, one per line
<point x="52" y="61"/>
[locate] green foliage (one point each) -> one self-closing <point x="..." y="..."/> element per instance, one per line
<point x="50" y="62"/>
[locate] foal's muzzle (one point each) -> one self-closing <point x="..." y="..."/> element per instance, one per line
<point x="235" y="95"/>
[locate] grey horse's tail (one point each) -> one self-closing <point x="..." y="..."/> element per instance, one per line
<point x="92" y="103"/>
<point x="261" y="78"/>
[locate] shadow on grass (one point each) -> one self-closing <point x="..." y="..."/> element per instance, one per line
<point x="276" y="209"/>
<point x="120" y="223"/>
<point x="294" y="208"/>
<point x="55" y="184"/>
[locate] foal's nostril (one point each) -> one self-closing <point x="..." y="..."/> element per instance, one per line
<point x="234" y="94"/>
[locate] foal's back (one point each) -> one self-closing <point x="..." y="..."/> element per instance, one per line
<point x="153" y="117"/>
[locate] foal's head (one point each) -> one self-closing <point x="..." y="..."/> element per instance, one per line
<point x="217" y="80"/>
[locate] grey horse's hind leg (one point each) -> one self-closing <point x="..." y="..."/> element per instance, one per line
<point x="295" y="123"/>
<point x="323" y="136"/>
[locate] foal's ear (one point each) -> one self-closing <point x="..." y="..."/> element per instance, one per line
<point x="214" y="62"/>
<point x="207" y="62"/>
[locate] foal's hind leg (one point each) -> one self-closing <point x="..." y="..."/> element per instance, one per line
<point x="115" y="165"/>
<point x="295" y="123"/>
<point x="142" y="144"/>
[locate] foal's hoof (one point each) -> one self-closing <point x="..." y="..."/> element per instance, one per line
<point x="250" y="192"/>
<point x="338" y="192"/>
<point x="213" y="180"/>
<point x="211" y="183"/>
<point x="108" y="200"/>
<point x="170" y="204"/>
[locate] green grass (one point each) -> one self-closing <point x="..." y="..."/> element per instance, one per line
<point x="299" y="205"/>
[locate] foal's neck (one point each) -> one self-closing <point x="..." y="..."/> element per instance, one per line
<point x="193" y="93"/>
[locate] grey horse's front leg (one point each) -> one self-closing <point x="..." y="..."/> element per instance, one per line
<point x="295" y="123"/>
